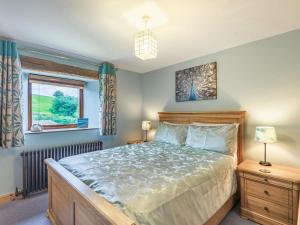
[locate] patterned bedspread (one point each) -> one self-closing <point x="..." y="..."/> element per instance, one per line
<point x="158" y="183"/>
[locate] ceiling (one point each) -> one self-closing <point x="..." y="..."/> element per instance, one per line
<point x="99" y="30"/>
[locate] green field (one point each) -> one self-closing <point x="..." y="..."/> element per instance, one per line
<point x="41" y="106"/>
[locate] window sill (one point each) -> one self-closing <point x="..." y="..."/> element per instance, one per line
<point x="59" y="130"/>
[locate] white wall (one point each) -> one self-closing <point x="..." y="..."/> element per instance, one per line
<point x="129" y="105"/>
<point x="262" y="78"/>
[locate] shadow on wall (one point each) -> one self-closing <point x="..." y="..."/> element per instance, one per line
<point x="224" y="102"/>
<point x="151" y="113"/>
<point x="256" y="114"/>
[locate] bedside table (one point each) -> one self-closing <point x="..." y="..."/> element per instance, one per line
<point x="269" y="198"/>
<point x="135" y="142"/>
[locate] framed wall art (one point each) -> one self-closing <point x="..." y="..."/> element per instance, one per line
<point x="197" y="83"/>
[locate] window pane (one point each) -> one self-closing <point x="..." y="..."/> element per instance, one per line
<point x="54" y="105"/>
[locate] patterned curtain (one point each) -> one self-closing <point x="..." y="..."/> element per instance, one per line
<point x="108" y="97"/>
<point x="10" y="96"/>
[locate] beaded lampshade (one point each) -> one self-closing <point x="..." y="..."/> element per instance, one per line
<point x="145" y="43"/>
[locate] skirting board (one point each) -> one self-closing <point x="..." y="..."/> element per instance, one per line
<point x="7" y="198"/>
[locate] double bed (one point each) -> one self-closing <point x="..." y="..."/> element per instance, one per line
<point x="152" y="183"/>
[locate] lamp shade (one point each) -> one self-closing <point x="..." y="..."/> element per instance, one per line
<point x="265" y="134"/>
<point x="145" y="45"/>
<point x="146" y="125"/>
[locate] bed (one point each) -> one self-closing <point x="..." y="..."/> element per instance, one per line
<point x="189" y="187"/>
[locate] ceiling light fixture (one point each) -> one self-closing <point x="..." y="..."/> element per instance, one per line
<point x="145" y="43"/>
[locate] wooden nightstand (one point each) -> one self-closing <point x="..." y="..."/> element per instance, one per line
<point x="269" y="198"/>
<point x="135" y="142"/>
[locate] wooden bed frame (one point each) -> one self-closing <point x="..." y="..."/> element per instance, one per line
<point x="71" y="202"/>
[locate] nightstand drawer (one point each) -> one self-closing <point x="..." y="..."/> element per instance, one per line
<point x="269" y="198"/>
<point x="268" y="180"/>
<point x="269" y="209"/>
<point x="269" y="192"/>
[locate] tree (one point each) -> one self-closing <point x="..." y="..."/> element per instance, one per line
<point x="58" y="94"/>
<point x="64" y="105"/>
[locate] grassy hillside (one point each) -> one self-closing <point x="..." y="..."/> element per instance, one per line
<point x="41" y="104"/>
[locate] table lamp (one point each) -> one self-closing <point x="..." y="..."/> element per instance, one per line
<point x="146" y="125"/>
<point x="266" y="135"/>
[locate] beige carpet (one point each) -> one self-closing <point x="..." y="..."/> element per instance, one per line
<point x="31" y="211"/>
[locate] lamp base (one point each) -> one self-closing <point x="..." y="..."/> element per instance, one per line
<point x="264" y="163"/>
<point x="264" y="171"/>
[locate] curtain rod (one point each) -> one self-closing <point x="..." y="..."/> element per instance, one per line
<point x="59" y="56"/>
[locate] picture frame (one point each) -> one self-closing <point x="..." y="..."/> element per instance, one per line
<point x="197" y="83"/>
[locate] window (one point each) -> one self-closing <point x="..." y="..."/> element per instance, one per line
<point x="53" y="102"/>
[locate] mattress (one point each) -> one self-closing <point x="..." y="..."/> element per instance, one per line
<point x="158" y="183"/>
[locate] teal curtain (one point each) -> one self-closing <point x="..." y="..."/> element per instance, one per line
<point x="10" y="96"/>
<point x="108" y="99"/>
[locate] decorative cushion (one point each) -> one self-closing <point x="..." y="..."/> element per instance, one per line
<point x="173" y="134"/>
<point x="219" y="138"/>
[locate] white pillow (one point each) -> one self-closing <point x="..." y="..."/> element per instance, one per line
<point x="176" y="124"/>
<point x="219" y="138"/>
<point x="173" y="134"/>
<point x="214" y="124"/>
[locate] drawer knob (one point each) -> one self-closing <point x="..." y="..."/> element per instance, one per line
<point x="266" y="209"/>
<point x="266" y="192"/>
<point x="266" y="179"/>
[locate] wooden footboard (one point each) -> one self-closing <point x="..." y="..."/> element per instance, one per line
<point x="71" y="202"/>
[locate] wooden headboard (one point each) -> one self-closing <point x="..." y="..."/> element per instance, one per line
<point x="210" y="117"/>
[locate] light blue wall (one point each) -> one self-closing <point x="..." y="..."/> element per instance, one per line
<point x="91" y="102"/>
<point x="128" y="124"/>
<point x="262" y="78"/>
